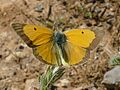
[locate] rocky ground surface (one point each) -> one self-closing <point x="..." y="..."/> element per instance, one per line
<point x="19" y="69"/>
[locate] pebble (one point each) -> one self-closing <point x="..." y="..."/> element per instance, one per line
<point x="112" y="76"/>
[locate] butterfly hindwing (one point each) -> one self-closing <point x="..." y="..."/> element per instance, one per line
<point x="75" y="54"/>
<point x="47" y="51"/>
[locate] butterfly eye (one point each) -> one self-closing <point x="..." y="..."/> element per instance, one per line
<point x="35" y="29"/>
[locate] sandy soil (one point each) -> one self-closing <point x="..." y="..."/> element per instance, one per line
<point x="19" y="69"/>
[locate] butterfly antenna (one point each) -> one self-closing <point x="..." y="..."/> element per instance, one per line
<point x="49" y="11"/>
<point x="23" y="11"/>
<point x="54" y="26"/>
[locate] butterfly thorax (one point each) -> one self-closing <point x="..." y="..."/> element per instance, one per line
<point x="60" y="41"/>
<point x="59" y="38"/>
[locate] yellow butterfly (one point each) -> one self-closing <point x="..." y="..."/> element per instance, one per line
<point x="47" y="43"/>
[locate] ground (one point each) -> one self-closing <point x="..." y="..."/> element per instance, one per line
<point x="19" y="69"/>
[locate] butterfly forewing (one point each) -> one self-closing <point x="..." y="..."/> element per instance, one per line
<point x="37" y="34"/>
<point x="99" y="36"/>
<point x="82" y="38"/>
<point x="33" y="35"/>
<point x="19" y="30"/>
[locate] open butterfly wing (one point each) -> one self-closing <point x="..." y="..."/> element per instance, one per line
<point x="39" y="38"/>
<point x="77" y="42"/>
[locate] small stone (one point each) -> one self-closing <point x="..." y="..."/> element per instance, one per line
<point x="63" y="83"/>
<point x="20" y="54"/>
<point x="39" y="8"/>
<point x="112" y="76"/>
<point x="10" y="57"/>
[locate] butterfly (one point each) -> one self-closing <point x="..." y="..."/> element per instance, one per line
<point x="72" y="45"/>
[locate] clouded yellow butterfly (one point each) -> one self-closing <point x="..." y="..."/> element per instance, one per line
<point x="72" y="43"/>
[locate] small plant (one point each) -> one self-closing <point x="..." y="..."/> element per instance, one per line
<point x="88" y="15"/>
<point x="115" y="61"/>
<point x="52" y="74"/>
